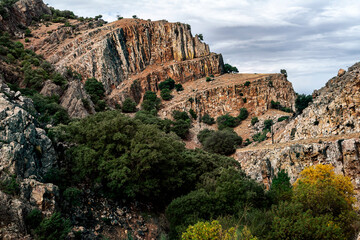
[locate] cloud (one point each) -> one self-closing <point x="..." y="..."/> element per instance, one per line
<point x="311" y="39"/>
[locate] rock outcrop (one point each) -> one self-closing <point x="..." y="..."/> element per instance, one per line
<point x="26" y="154"/>
<point x="335" y="109"/>
<point x="229" y="93"/>
<point x="77" y="101"/>
<point x="16" y="17"/>
<point x="129" y="50"/>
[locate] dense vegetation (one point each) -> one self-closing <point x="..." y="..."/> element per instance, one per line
<point x="230" y="69"/>
<point x="222" y="142"/>
<point x="301" y="102"/>
<point x="228" y="121"/>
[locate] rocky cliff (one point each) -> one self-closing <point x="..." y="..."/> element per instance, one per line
<point x="26" y="154"/>
<point x="129" y="50"/>
<point x="16" y="17"/>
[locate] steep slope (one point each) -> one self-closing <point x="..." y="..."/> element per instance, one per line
<point x="327" y="132"/>
<point x="129" y="50"/>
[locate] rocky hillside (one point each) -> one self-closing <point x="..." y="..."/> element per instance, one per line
<point x="128" y="53"/>
<point x="327" y="132"/>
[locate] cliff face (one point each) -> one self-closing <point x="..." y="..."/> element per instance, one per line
<point x="27" y="153"/>
<point x="335" y="109"/>
<point x="228" y="93"/>
<point x="119" y="53"/>
<point x="21" y="14"/>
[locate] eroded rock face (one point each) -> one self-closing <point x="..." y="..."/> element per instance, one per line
<point x="25" y="148"/>
<point x="27" y="153"/>
<point x="77" y="101"/>
<point x="21" y="14"/>
<point x="335" y="109"/>
<point x="129" y="50"/>
<point x="51" y="89"/>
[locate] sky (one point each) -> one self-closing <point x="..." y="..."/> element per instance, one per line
<point x="311" y="39"/>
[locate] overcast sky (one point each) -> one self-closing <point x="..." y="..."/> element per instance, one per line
<point x="310" y="39"/>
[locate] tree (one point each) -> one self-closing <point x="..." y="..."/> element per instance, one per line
<point x="222" y="142"/>
<point x="207" y="230"/>
<point x="230" y="69"/>
<point x="283" y="71"/>
<point x="150" y="101"/>
<point x="95" y="89"/>
<point x="201" y="37"/>
<point x="129" y="105"/>
<point x="302" y="101"/>
<point x="166" y="94"/>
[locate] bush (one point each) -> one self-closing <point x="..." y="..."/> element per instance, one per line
<point x="58" y="79"/>
<point x="227" y="121"/>
<point x="72" y="196"/>
<point x="33" y="218"/>
<point x="277" y="105"/>
<point x="247" y="83"/>
<point x="10" y="186"/>
<point x="230" y="69"/>
<point x="167" y="84"/>
<point x="283" y="118"/>
<point x="222" y="142"/>
<point x="243" y="114"/>
<point x="301" y="102"/>
<point x="150" y="101"/>
<point x="181" y="128"/>
<point x="179" y="87"/>
<point x="178" y="115"/>
<point x="129" y="106"/>
<point x="207" y="119"/>
<point x="53" y="228"/>
<point x="203" y="134"/>
<point x="244" y="100"/>
<point x="267" y="124"/>
<point x="207" y="230"/>
<point x="166" y="94"/>
<point x="193" y="114"/>
<point x="281" y="189"/>
<point x="261" y="136"/>
<point x="209" y="79"/>
<point x="254" y="120"/>
<point x="95" y="89"/>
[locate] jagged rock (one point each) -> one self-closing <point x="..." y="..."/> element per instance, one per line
<point x="21" y="14"/>
<point x="41" y="195"/>
<point x="77" y="101"/>
<point x="51" y="89"/>
<point x="341" y="72"/>
<point x="25" y="148"/>
<point x="335" y="110"/>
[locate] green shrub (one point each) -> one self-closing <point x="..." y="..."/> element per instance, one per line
<point x="10" y="58"/>
<point x="261" y="136"/>
<point x="193" y="114"/>
<point x="58" y="79"/>
<point x="301" y="102"/>
<point x="53" y="228"/>
<point x="225" y="121"/>
<point x="72" y="196"/>
<point x="181" y="128"/>
<point x="207" y="119"/>
<point x="277" y="105"/>
<point x="33" y="218"/>
<point x="208" y="79"/>
<point x="222" y="142"/>
<point x="247" y="83"/>
<point x="167" y="84"/>
<point x="283" y="118"/>
<point x="129" y="106"/>
<point x="179" y="87"/>
<point x="28" y="33"/>
<point x="254" y="120"/>
<point x="244" y="100"/>
<point x="10" y="186"/>
<point x="203" y="134"/>
<point x="178" y="115"/>
<point x="166" y="94"/>
<point x="267" y="124"/>
<point x="230" y="69"/>
<point x="191" y="100"/>
<point x="281" y="189"/>
<point x="150" y="101"/>
<point x="243" y="114"/>
<point x="95" y="89"/>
